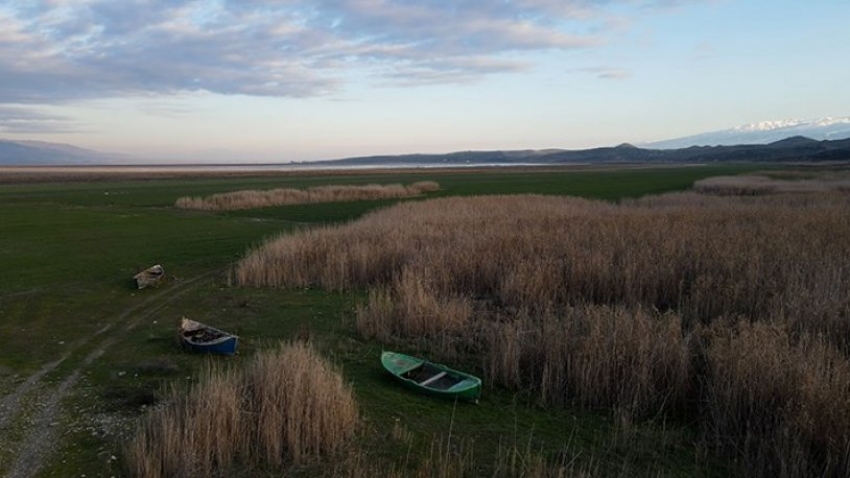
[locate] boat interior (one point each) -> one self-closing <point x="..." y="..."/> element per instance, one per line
<point x="427" y="375"/>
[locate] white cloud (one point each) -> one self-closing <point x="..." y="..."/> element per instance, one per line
<point x="606" y="72"/>
<point x="101" y="48"/>
<point x="24" y="119"/>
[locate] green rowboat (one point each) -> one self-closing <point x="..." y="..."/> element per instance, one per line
<point x="431" y="378"/>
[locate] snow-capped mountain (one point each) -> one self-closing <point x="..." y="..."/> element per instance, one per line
<point x="764" y="132"/>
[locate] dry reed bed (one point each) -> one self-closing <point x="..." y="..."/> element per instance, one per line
<point x="782" y="402"/>
<point x="287" y="196"/>
<point x="288" y="406"/>
<point x="758" y="184"/>
<point x="700" y="256"/>
<point x="617" y="305"/>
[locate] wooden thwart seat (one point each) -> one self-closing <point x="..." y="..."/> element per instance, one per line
<point x="433" y="379"/>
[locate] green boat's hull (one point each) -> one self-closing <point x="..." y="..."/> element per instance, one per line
<point x="431" y="378"/>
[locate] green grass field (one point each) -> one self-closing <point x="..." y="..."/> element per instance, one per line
<point x="74" y="329"/>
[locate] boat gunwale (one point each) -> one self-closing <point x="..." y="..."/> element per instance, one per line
<point x="216" y="341"/>
<point x="474" y="382"/>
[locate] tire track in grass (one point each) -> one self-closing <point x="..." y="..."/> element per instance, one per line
<point x="11" y="403"/>
<point x="40" y="440"/>
<point x="43" y="429"/>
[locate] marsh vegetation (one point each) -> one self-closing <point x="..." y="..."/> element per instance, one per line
<point x="250" y="199"/>
<point x="287" y="406"/>
<point x="687" y="334"/>
<point x="731" y="311"/>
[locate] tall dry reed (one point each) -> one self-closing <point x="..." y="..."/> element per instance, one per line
<point x="758" y="184"/>
<point x="782" y="401"/>
<point x="576" y="301"/>
<point x="631" y="359"/>
<point x="700" y="256"/>
<point x="286" y="196"/>
<point x="199" y="434"/>
<point x="287" y="406"/>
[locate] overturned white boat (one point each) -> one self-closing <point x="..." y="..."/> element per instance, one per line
<point x="151" y="276"/>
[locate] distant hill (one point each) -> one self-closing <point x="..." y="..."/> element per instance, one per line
<point x="790" y="149"/>
<point x="763" y="132"/>
<point x="42" y="153"/>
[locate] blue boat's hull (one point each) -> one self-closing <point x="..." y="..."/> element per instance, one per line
<point x="198" y="337"/>
<point x="221" y="347"/>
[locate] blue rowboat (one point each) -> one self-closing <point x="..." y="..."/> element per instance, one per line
<point x="198" y="337"/>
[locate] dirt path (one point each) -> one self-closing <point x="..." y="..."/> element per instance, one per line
<point x="10" y="405"/>
<point x="43" y="427"/>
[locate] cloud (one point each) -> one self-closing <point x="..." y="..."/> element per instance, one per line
<point x="24" y="119"/>
<point x="59" y="50"/>
<point x="451" y="70"/>
<point x="606" y="72"/>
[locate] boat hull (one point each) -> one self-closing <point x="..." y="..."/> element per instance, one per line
<point x="224" y="347"/>
<point x="152" y="276"/>
<point x="201" y="338"/>
<point x="431" y="378"/>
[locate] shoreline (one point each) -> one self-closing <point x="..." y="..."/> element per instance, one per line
<point x="83" y="173"/>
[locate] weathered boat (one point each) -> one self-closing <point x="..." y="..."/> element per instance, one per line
<point x="199" y="337"/>
<point x="431" y="378"/>
<point x="151" y="276"/>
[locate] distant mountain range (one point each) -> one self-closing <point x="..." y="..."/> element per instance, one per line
<point x="42" y="153"/>
<point x="796" y="149"/>
<point x="826" y="139"/>
<point x="763" y="132"/>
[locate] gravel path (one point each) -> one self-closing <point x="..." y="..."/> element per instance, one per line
<point x="44" y="426"/>
<point x="11" y="404"/>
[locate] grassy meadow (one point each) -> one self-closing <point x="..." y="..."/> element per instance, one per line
<point x="619" y="332"/>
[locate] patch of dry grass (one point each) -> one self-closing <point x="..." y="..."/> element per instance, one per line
<point x="630" y="359"/>
<point x="286" y="196"/>
<point x="585" y="302"/>
<point x="756" y="184"/>
<point x="288" y="406"/>
<point x="701" y="256"/>
<point x="783" y="403"/>
<point x="445" y="459"/>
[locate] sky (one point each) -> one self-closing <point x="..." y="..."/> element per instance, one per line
<point x="298" y="80"/>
